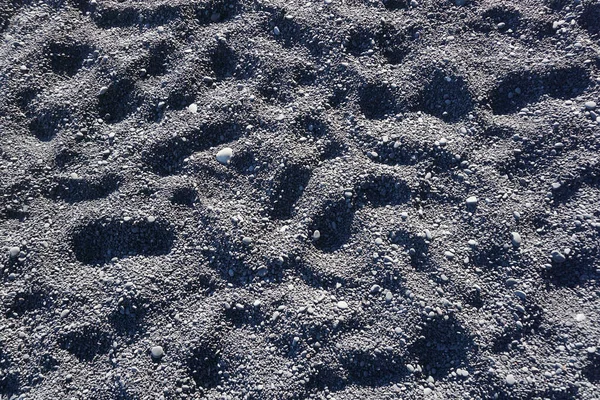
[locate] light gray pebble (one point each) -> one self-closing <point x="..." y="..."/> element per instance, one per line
<point x="14" y="252"/>
<point x="590" y="105"/>
<point x="558" y="257"/>
<point x="510" y="379"/>
<point x="157" y="352"/>
<point x="515" y="238"/>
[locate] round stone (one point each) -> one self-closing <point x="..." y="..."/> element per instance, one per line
<point x="342" y="305"/>
<point x="224" y="155"/>
<point x="14" y="252"/>
<point x="590" y="105"/>
<point x="558" y="257"/>
<point x="157" y="352"/>
<point x="193" y="108"/>
<point x="515" y="238"/>
<point x="510" y="379"/>
<point x="316" y="235"/>
<point x="472" y="201"/>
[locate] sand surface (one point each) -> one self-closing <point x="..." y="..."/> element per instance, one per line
<point x="340" y="199"/>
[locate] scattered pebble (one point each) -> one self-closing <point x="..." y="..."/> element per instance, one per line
<point x="157" y="352"/>
<point x="342" y="305"/>
<point x="510" y="379"/>
<point x="224" y="155"/>
<point x="558" y="257"/>
<point x="472" y="201"/>
<point x="14" y="252"/>
<point x="590" y="105"/>
<point x="580" y="317"/>
<point x="316" y="235"/>
<point x="102" y="90"/>
<point x="193" y="108"/>
<point x="515" y="238"/>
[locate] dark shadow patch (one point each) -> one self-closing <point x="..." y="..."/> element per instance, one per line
<point x="324" y="376"/>
<point x="591" y="371"/>
<point x="377" y="101"/>
<point x="250" y="316"/>
<point x="27" y="302"/>
<point x="359" y="41"/>
<point x="158" y="59"/>
<point x="100" y="240"/>
<point x="167" y="157"/>
<point x="575" y="270"/>
<point x="500" y="14"/>
<point x="128" y="318"/>
<point x="394" y="5"/>
<point x="119" y="101"/>
<point x="374" y="368"/>
<point x="443" y="345"/>
<point x="9" y="376"/>
<point x="47" y="122"/>
<point x="589" y="18"/>
<point x="518" y="89"/>
<point x="67" y="58"/>
<point x="25" y="97"/>
<point x="288" y="186"/>
<point x="400" y="152"/>
<point x="67" y="157"/>
<point x="184" y="196"/>
<point x="223" y="61"/>
<point x="116" y="17"/>
<point x="416" y="246"/>
<point x="532" y="321"/>
<point x="215" y="11"/>
<point x="394" y="44"/>
<point x="380" y="191"/>
<point x="86" y="343"/>
<point x="446" y="96"/>
<point x="74" y="190"/>
<point x="7" y="11"/>
<point x="205" y="366"/>
<point x="334" y="223"/>
<point x="292" y="32"/>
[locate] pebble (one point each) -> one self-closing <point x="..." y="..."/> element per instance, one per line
<point x="247" y="240"/>
<point x="316" y="235"/>
<point x="342" y="305"/>
<point x="557" y="256"/>
<point x="102" y="90"/>
<point x="510" y="379"/>
<point x="276" y="31"/>
<point x="427" y="391"/>
<point x="520" y="294"/>
<point x="193" y="108"/>
<point x="151" y="219"/>
<point x="224" y="155"/>
<point x="375" y="289"/>
<point x="590" y="105"/>
<point x="157" y="352"/>
<point x="515" y="238"/>
<point x="580" y="317"/>
<point x="14" y="252"/>
<point x="472" y="201"/>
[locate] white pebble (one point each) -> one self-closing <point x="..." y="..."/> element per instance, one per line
<point x="510" y="379"/>
<point x="471" y="201"/>
<point x="224" y="155"/>
<point x="342" y="305"/>
<point x="193" y="108"/>
<point x="157" y="352"/>
<point x="14" y="252"/>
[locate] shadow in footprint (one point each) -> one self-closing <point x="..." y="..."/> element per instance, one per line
<point x="442" y="346"/>
<point x="67" y="58"/>
<point x="374" y="367"/>
<point x="383" y="190"/>
<point x="518" y="89"/>
<point x="287" y="188"/>
<point x="205" y="366"/>
<point x="47" y="122"/>
<point x="74" y="190"/>
<point x="119" y="101"/>
<point x="167" y="157"/>
<point x="9" y="376"/>
<point x="86" y="343"/>
<point x="446" y="96"/>
<point x="99" y="241"/>
<point x="377" y="101"/>
<point x="334" y="224"/>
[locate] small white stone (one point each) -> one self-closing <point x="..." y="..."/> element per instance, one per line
<point x="510" y="379"/>
<point x="515" y="238"/>
<point x="316" y="234"/>
<point x="580" y="317"/>
<point x="471" y="201"/>
<point x="342" y="305"/>
<point x="157" y="352"/>
<point x="13" y="252"/>
<point x="102" y="90"/>
<point x="193" y="108"/>
<point x="224" y="155"/>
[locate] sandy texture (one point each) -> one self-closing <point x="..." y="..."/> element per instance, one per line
<point x="405" y="201"/>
